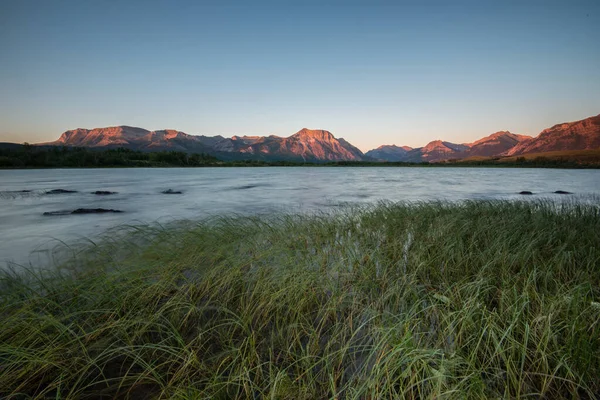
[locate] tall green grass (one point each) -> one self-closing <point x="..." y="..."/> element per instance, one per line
<point x="430" y="300"/>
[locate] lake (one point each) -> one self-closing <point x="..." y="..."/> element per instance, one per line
<point x="26" y="234"/>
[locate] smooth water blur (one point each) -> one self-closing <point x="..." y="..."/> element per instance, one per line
<point x="209" y="191"/>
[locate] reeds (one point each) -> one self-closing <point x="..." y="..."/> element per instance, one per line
<point x="426" y="300"/>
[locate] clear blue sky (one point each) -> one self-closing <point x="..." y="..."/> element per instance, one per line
<point x="371" y="72"/>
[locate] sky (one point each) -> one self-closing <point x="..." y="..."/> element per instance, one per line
<point x="373" y="72"/>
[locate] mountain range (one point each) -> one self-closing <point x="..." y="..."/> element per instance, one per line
<point x="321" y="146"/>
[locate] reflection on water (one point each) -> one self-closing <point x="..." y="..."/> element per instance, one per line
<point x="210" y="191"/>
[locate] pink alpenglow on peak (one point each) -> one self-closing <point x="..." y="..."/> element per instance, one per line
<point x="305" y="145"/>
<point x="578" y="135"/>
<point x="389" y="153"/>
<point x="318" y="145"/>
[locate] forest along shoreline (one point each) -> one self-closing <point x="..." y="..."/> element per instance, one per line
<point x="27" y="156"/>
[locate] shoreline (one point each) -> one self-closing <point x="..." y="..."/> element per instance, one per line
<point x="252" y="164"/>
<point x="28" y="157"/>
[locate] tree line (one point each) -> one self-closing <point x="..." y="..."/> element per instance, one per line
<point x="28" y="156"/>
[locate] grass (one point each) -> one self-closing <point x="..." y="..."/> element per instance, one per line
<point x="564" y="155"/>
<point x="429" y="300"/>
<point x="557" y="159"/>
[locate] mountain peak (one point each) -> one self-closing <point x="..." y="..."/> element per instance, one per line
<point x="434" y="144"/>
<point x="317" y="134"/>
<point x="578" y="135"/>
<point x="389" y="152"/>
<point x="500" y="133"/>
<point x="499" y="136"/>
<point x="394" y="147"/>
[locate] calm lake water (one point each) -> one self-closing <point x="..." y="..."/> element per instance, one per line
<point x="26" y="234"/>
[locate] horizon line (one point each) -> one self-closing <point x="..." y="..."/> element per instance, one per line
<point x="325" y="130"/>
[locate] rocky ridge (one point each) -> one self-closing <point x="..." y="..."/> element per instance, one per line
<point x="321" y="145"/>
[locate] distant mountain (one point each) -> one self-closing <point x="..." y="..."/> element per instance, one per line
<point x="578" y="135"/>
<point x="437" y="150"/>
<point x="136" y="139"/>
<point x="305" y="145"/>
<point x="388" y="153"/>
<point x="321" y="146"/>
<point x="495" y="144"/>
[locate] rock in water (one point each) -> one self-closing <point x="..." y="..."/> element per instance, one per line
<point x="562" y="192"/>
<point x="94" y="211"/>
<point x="83" y="211"/>
<point x="103" y="192"/>
<point x="60" y="191"/>
<point x="525" y="192"/>
<point x="53" y="213"/>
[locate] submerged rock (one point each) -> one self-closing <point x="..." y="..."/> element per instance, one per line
<point x="562" y="192"/>
<point x="60" y="191"/>
<point x="525" y="192"/>
<point x="15" y="194"/>
<point x="95" y="211"/>
<point x="83" y="211"/>
<point x="103" y="192"/>
<point x="171" y="191"/>
<point x="51" y="213"/>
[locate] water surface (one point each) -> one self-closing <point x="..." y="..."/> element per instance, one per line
<point x="26" y="234"/>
